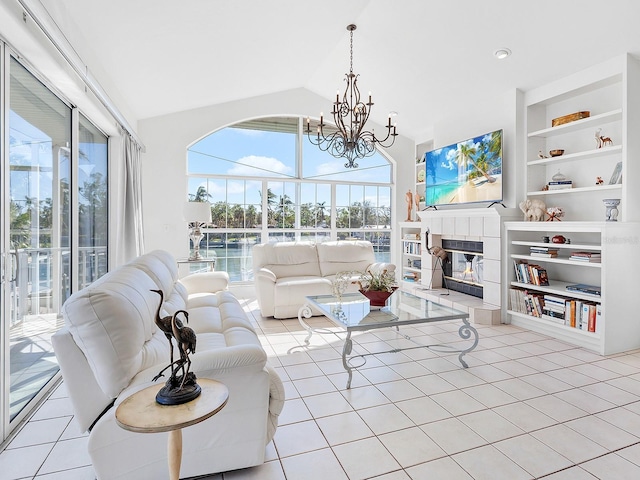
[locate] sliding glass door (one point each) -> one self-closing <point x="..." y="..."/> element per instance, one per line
<point x="54" y="228"/>
<point x="39" y="237"/>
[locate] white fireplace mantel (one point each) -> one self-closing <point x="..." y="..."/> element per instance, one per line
<point x="475" y="224"/>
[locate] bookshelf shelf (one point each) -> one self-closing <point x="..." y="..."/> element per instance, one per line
<point x="563" y="261"/>
<point x="617" y="244"/>
<point x="410" y="272"/>
<point x="608" y="91"/>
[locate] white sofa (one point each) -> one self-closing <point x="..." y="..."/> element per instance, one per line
<point x="110" y="347"/>
<point x="286" y="272"/>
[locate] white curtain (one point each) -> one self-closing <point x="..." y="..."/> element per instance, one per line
<point x="131" y="234"/>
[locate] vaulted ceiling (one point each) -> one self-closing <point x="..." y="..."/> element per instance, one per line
<point x="420" y="58"/>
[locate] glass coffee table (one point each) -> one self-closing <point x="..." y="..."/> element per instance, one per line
<point x="353" y="313"/>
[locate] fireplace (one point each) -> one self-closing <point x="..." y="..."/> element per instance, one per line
<point x="464" y="269"/>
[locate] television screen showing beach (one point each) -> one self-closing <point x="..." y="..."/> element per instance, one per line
<point x="465" y="172"/>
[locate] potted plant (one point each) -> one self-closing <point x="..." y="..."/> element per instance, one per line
<point x="377" y="286"/>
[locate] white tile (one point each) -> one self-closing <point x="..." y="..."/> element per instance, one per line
<point x="461" y="226"/>
<point x="67" y="454"/>
<point x="519" y="389"/>
<point x="298" y="438"/>
<point x="411" y="446"/>
<point x="489" y="395"/>
<point x="303" y="370"/>
<point x="442" y="468"/>
<point x="546" y="382"/>
<point x="488" y="463"/>
<point x="631" y="453"/>
<point x="327" y="404"/>
<point x="452" y="435"/>
<point x="581" y="399"/>
<point x="556" y="408"/>
<point x="603" y="433"/>
<point x="569" y="443"/>
<point x="610" y="393"/>
<point x="490" y="426"/>
<point x="364" y="397"/>
<point x="524" y="416"/>
<point x="82" y="473"/>
<point x="476" y="226"/>
<point x="41" y="431"/>
<point x="54" y="407"/>
<point x="573" y="473"/>
<point x="399" y="390"/>
<point x="313" y="386"/>
<point x="294" y="411"/>
<point x="343" y="428"/>
<point x="622" y="418"/>
<point x="385" y="418"/>
<point x="430" y="384"/>
<point x="532" y="455"/>
<point x="423" y="410"/>
<point x="316" y="465"/>
<point x="611" y="467"/>
<point x="457" y="402"/>
<point x="461" y="378"/>
<point x="23" y="462"/>
<point x="365" y="458"/>
<point x="571" y="377"/>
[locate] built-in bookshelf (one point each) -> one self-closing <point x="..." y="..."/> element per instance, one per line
<point x="587" y="273"/>
<point x="411" y="258"/>
<point x="596" y="169"/>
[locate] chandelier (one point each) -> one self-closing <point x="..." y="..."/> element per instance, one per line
<point x="350" y="115"/>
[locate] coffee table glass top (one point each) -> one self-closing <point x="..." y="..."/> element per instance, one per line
<point x="353" y="312"/>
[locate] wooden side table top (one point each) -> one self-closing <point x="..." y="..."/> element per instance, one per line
<point x="141" y="413"/>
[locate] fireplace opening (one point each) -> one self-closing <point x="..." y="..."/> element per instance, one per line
<point x="463" y="272"/>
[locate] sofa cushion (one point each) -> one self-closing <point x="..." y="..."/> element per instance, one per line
<point x="287" y="259"/>
<point x="111" y="324"/>
<point x="292" y="290"/>
<point x="343" y="256"/>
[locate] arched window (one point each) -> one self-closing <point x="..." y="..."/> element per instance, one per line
<point x="267" y="182"/>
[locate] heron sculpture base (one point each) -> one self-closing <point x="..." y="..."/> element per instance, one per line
<point x="175" y="393"/>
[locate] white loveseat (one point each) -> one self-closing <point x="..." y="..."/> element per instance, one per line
<point x="286" y="272"/>
<point x="110" y="347"/>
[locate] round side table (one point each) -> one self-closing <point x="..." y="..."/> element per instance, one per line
<point x="142" y="414"/>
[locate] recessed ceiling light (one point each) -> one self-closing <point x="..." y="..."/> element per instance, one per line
<point x="502" y="53"/>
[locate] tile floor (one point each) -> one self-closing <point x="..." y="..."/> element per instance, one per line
<point x="528" y="407"/>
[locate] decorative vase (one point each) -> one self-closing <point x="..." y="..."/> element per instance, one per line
<point x="377" y="298"/>
<point x="611" y="214"/>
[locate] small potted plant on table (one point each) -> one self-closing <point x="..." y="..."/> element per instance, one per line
<point x="377" y="286"/>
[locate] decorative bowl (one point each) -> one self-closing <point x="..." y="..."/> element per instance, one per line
<point x="377" y="298"/>
<point x="556" y="153"/>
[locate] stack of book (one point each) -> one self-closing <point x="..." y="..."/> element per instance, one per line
<point x="530" y="273"/>
<point x="547" y="252"/>
<point x="561" y="185"/>
<point x="591" y="257"/>
<point x="523" y="301"/>
<point x="583" y="315"/>
<point x="554" y="309"/>
<point x="584" y="288"/>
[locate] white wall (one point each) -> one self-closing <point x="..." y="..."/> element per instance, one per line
<point x="164" y="163"/>
<point x="486" y="116"/>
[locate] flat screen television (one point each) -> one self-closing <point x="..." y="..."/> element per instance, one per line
<point x="465" y="172"/>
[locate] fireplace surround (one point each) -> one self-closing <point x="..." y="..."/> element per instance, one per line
<point x="466" y="229"/>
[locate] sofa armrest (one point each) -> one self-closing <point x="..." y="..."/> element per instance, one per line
<point x="205" y="282"/>
<point x="266" y="274"/>
<point x="265" y="283"/>
<point x="380" y="266"/>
